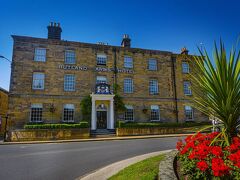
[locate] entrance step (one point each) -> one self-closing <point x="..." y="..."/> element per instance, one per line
<point x="103" y="133"/>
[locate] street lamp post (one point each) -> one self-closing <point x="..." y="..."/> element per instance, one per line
<point x="1" y="56"/>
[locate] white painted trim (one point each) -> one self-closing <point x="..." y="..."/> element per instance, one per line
<point x="110" y="110"/>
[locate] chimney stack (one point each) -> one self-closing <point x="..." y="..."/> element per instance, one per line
<point x="54" y="31"/>
<point x="184" y="51"/>
<point x="126" y="42"/>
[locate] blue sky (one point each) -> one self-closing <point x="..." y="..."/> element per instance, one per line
<point x="164" y="25"/>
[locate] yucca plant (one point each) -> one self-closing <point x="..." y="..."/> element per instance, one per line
<point x="216" y="87"/>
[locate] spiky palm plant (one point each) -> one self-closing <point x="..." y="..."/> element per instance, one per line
<point x="216" y="87"/>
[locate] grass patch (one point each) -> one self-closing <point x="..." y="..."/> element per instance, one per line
<point x="144" y="170"/>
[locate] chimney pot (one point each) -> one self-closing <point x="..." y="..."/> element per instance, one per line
<point x="125" y="36"/>
<point x="54" y="31"/>
<point x="184" y="51"/>
<point x="126" y="41"/>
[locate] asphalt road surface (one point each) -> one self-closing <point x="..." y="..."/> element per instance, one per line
<point x="62" y="161"/>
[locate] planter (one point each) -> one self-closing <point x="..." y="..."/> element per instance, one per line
<point x="48" y="134"/>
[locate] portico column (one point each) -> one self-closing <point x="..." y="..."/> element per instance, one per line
<point x="111" y="115"/>
<point x="93" y="119"/>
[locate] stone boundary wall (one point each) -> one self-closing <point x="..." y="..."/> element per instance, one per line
<point x="166" y="169"/>
<point x="48" y="134"/>
<point x="148" y="131"/>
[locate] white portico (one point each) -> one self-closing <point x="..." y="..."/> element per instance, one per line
<point x="102" y="108"/>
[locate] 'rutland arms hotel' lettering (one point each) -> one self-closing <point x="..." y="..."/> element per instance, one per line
<point x="98" y="69"/>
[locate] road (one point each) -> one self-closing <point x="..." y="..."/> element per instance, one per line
<point x="62" y="161"/>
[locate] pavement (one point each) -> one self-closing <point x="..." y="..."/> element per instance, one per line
<point x="96" y="139"/>
<point x="108" y="171"/>
<point x="71" y="160"/>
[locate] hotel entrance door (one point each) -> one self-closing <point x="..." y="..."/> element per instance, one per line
<point x="101" y="119"/>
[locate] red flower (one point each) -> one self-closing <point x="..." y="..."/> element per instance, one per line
<point x="192" y="155"/>
<point x="217" y="151"/>
<point x="211" y="159"/>
<point x="211" y="136"/>
<point x="219" y="168"/>
<point x="202" y="165"/>
<point x="201" y="151"/>
<point x="235" y="158"/>
<point x="179" y="145"/>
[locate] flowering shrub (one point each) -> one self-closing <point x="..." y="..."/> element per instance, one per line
<point x="207" y="156"/>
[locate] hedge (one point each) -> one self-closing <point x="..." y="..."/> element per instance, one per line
<point x="122" y="124"/>
<point x="57" y="126"/>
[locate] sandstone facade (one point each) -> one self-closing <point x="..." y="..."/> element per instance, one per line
<point x="3" y="108"/>
<point x="170" y="97"/>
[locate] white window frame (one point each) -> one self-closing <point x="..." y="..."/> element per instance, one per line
<point x="185" y="67"/>
<point x="128" y="62"/>
<point x="188" y="109"/>
<point x="101" y="79"/>
<point x="37" y="80"/>
<point x="152" y="64"/>
<point x="66" y="109"/>
<point x="187" y="88"/>
<point x="69" y="83"/>
<point x="153" y="87"/>
<point x="70" y="57"/>
<point x="128" y="85"/>
<point x="40" y="54"/>
<point x="127" y="115"/>
<point x="101" y="59"/>
<point x="155" y="109"/>
<point x="36" y="106"/>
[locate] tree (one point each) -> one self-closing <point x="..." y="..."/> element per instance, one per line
<point x="118" y="100"/>
<point x="86" y="107"/>
<point x="216" y="87"/>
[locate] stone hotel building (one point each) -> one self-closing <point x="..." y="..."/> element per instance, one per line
<point x="51" y="76"/>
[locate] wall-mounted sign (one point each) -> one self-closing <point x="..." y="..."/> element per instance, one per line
<point x="73" y="67"/>
<point x="98" y="69"/>
<point x="103" y="69"/>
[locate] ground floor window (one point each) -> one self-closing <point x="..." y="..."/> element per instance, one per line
<point x="188" y="113"/>
<point x="155" y="113"/>
<point x="128" y="116"/>
<point x="36" y="113"/>
<point x="68" y="113"/>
